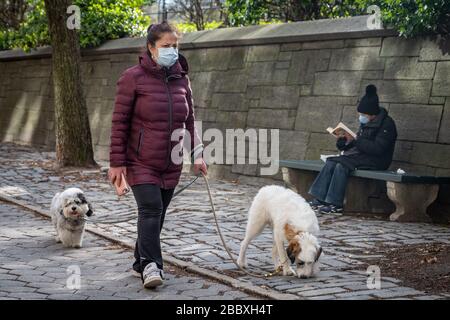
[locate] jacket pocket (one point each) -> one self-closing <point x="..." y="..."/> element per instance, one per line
<point x="141" y="136"/>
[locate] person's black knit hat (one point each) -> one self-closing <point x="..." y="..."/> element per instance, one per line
<point x="369" y="102"/>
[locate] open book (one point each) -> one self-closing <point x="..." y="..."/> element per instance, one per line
<point x="340" y="129"/>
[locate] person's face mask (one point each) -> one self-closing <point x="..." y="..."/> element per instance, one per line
<point x="167" y="56"/>
<point x="363" y="119"/>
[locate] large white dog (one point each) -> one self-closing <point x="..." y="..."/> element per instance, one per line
<point x="291" y="219"/>
<point x="68" y="210"/>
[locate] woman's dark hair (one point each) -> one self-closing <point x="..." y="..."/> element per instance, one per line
<point x="155" y="31"/>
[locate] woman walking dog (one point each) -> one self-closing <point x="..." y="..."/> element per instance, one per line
<point x="153" y="99"/>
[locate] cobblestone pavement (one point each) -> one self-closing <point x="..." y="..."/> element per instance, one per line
<point x="189" y="232"/>
<point x="33" y="266"/>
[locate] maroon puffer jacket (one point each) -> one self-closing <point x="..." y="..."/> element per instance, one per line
<point x="151" y="102"/>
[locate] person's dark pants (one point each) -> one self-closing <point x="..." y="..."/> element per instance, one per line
<point x="152" y="202"/>
<point x="331" y="183"/>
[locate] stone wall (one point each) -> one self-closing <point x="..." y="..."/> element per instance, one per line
<point x="298" y="77"/>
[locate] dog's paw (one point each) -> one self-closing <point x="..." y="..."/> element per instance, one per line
<point x="242" y="263"/>
<point x="76" y="246"/>
<point x="57" y="239"/>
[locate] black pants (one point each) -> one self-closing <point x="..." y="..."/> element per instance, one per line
<point x="152" y="202"/>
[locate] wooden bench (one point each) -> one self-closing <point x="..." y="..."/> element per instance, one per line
<point x="373" y="191"/>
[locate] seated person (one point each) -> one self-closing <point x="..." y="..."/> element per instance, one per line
<point x="372" y="149"/>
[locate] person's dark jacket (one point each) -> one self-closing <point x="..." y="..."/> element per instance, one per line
<point x="150" y="104"/>
<point x="374" y="146"/>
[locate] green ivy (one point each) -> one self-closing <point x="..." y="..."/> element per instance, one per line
<point x="101" y="20"/>
<point x="408" y="17"/>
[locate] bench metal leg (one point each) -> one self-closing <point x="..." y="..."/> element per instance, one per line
<point x="411" y="200"/>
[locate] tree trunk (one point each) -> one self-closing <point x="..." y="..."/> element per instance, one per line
<point x="73" y="135"/>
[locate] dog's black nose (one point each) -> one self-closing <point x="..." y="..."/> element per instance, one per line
<point x="74" y="208"/>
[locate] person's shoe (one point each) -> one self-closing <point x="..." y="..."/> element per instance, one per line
<point x="316" y="204"/>
<point x="331" y="209"/>
<point x="152" y="276"/>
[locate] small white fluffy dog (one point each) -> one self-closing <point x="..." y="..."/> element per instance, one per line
<point x="68" y="210"/>
<point x="291" y="219"/>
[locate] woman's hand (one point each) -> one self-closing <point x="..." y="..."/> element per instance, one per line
<point x="115" y="174"/>
<point x="200" y="165"/>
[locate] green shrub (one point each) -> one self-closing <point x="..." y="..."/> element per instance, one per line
<point x="101" y="20"/>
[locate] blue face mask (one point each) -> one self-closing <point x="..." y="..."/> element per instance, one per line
<point x="167" y="56"/>
<point x="363" y="119"/>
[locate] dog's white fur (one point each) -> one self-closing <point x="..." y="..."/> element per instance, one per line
<point x="68" y="211"/>
<point x="291" y="219"/>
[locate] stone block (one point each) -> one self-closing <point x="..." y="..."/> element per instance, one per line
<point x="408" y="68"/>
<point x="202" y="85"/>
<point x="400" y="91"/>
<point x="322" y="141"/>
<point x="337" y="83"/>
<point x="269" y="118"/>
<point x="264" y="73"/>
<point x="216" y="59"/>
<point x="231" y="81"/>
<point x="294" y="46"/>
<point x="430" y="51"/>
<point x="205" y="114"/>
<point x="441" y="83"/>
<point x="263" y="53"/>
<point x="285" y="56"/>
<point x="279" y="97"/>
<point x="315" y="114"/>
<point x="304" y="64"/>
<point x="231" y="119"/>
<point x="237" y="60"/>
<point x="403" y="150"/>
<point x="436" y="100"/>
<point x="293" y="144"/>
<point x="372" y="74"/>
<point x="350" y="117"/>
<point x="416" y="122"/>
<point x="364" y="42"/>
<point x="229" y="101"/>
<point x="396" y="46"/>
<point x="331" y="44"/>
<point x="362" y="58"/>
<point x="430" y="154"/>
<point x="444" y="132"/>
<point x="282" y="65"/>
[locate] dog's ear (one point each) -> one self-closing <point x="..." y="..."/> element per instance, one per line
<point x="289" y="232"/>
<point x="319" y="252"/>
<point x="89" y="212"/>
<point x="82" y="197"/>
<point x="293" y="250"/>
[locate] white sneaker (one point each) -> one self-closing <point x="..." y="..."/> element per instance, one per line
<point x="152" y="275"/>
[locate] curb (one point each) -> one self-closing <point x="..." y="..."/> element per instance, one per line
<point x="185" y="265"/>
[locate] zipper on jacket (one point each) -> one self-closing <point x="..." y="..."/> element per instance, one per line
<point x="169" y="96"/>
<point x="141" y="132"/>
